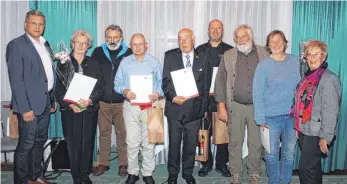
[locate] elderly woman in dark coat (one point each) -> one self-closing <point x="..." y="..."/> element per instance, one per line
<point x="79" y="120"/>
<point x="315" y="110"/>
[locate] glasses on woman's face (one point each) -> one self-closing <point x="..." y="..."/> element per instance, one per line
<point x="81" y="43"/>
<point x="314" y="55"/>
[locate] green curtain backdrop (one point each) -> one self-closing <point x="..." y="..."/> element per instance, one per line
<point x="62" y="18"/>
<point x="327" y="21"/>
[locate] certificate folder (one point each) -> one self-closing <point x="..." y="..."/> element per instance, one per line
<point x="81" y="87"/>
<point x="184" y="83"/>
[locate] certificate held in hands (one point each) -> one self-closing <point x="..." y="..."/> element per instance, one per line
<point x="81" y="87"/>
<point x="142" y="86"/>
<point x="215" y="70"/>
<point x="184" y="83"/>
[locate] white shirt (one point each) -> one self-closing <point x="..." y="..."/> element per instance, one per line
<point x="191" y="58"/>
<point x="46" y="60"/>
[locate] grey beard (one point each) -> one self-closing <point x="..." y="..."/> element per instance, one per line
<point x="244" y="49"/>
<point x="113" y="47"/>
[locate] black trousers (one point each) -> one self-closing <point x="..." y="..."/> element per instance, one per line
<point x="79" y="131"/>
<point x="310" y="171"/>
<point x="222" y="155"/>
<point x="29" y="151"/>
<point x="188" y="132"/>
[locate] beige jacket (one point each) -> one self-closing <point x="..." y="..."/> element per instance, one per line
<point x="224" y="84"/>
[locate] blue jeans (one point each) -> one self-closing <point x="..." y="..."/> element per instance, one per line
<point x="280" y="172"/>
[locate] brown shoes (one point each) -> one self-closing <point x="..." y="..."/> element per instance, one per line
<point x="100" y="169"/>
<point x="123" y="170"/>
<point x="39" y="181"/>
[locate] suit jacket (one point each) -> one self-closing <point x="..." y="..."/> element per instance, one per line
<point x="27" y="76"/>
<point x="193" y="108"/>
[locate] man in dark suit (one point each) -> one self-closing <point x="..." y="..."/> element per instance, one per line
<point x="184" y="114"/>
<point x="32" y="79"/>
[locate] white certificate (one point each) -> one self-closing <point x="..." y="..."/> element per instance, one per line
<point x="265" y="138"/>
<point x="215" y="70"/>
<point x="142" y="86"/>
<point x="184" y="83"/>
<point x="81" y="87"/>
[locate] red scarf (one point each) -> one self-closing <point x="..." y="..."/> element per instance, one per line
<point x="303" y="100"/>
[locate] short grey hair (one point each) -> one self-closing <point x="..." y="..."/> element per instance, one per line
<point x="114" y="27"/>
<point x="81" y="32"/>
<point x="36" y="13"/>
<point x="244" y="26"/>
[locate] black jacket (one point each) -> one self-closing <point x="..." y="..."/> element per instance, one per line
<point x="108" y="71"/>
<point x="91" y="69"/>
<point x="193" y="108"/>
<point x="214" y="55"/>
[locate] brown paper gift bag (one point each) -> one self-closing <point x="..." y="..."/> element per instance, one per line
<point x="13" y="125"/>
<point x="220" y="130"/>
<point x="155" y="124"/>
<point x="201" y="153"/>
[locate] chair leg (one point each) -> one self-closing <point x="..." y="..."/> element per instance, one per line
<point x="5" y="155"/>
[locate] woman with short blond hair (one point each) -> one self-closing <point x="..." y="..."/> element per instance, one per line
<point x="315" y="110"/>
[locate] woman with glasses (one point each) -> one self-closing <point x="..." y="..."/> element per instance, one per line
<point x="315" y="110"/>
<point x="79" y="120"/>
<point x="274" y="84"/>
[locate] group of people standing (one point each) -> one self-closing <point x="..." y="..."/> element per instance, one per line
<point x="258" y="87"/>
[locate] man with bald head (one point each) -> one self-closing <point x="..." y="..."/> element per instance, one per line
<point x="184" y="114"/>
<point x="215" y="49"/>
<point x="135" y="116"/>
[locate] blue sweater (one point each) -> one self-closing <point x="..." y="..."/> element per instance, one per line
<point x="274" y="84"/>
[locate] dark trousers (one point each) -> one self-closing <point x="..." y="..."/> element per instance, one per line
<point x="79" y="131"/>
<point x="310" y="171"/>
<point x="188" y="132"/>
<point x="29" y="151"/>
<point x="222" y="155"/>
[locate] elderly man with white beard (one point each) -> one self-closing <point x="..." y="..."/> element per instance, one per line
<point x="233" y="92"/>
<point x="109" y="56"/>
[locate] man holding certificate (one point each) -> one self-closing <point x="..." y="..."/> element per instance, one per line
<point x="139" y="78"/>
<point x="185" y="107"/>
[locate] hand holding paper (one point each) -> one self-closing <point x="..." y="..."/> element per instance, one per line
<point x="142" y="87"/>
<point x="265" y="137"/>
<point x="184" y="83"/>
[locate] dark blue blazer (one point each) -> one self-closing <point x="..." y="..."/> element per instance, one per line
<point x="27" y="76"/>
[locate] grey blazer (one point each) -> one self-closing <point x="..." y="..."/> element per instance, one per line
<point x="325" y="109"/>
<point x="27" y="76"/>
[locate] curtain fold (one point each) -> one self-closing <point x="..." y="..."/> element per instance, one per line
<point x="327" y="21"/>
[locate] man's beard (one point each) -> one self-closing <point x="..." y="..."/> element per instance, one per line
<point x="216" y="39"/>
<point x="244" y="48"/>
<point x="113" y="46"/>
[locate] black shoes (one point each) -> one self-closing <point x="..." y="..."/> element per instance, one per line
<point x="172" y="179"/>
<point x="148" y="179"/>
<point x="204" y="171"/>
<point x="132" y="179"/>
<point x="189" y="179"/>
<point x="224" y="171"/>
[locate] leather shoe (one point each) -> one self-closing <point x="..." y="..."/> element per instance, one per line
<point x="172" y="179"/>
<point x="224" y="171"/>
<point x="86" y="180"/>
<point x="123" y="170"/>
<point x="100" y="169"/>
<point x="189" y="179"/>
<point x="39" y="181"/>
<point x="204" y="171"/>
<point x="132" y="179"/>
<point x="148" y="180"/>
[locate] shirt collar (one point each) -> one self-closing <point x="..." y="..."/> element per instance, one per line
<point x="42" y="40"/>
<point x="145" y="58"/>
<point x="191" y="54"/>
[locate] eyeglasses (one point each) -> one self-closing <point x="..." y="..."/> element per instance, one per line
<point x="81" y="43"/>
<point x="36" y="24"/>
<point x="314" y="55"/>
